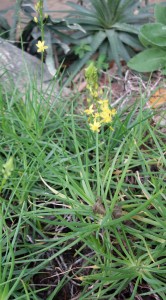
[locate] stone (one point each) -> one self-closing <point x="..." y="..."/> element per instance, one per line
<point x="18" y="69"/>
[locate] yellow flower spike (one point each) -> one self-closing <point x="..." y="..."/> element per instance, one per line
<point x="99" y="111"/>
<point x="41" y="46"/>
<point x="38" y="6"/>
<point x="35" y="19"/>
<point x="90" y="110"/>
<point x="95" y="127"/>
<point x="91" y="75"/>
<point x="92" y="81"/>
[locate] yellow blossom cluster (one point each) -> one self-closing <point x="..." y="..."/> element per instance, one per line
<point x="39" y="10"/>
<point x="99" y="111"/>
<point x="100" y="114"/>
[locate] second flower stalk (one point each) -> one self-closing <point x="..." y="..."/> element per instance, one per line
<point x="39" y="19"/>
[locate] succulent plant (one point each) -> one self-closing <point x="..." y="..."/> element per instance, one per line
<point x="109" y="27"/>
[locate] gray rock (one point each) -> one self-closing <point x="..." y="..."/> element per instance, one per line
<point x="19" y="69"/>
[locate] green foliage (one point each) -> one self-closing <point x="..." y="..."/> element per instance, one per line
<point x="101" y="62"/>
<point x="80" y="211"/>
<point x="153" y="37"/>
<point x="105" y="29"/>
<point x="109" y="27"/>
<point x="81" y="49"/>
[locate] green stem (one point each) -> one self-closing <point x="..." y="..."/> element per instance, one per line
<point x="42" y="38"/>
<point x="97" y="164"/>
<point x="2" y="184"/>
<point x="1" y="226"/>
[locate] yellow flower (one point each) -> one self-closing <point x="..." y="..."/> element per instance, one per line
<point x="41" y="46"/>
<point x="106" y="116"/>
<point x="96" y="115"/>
<point x="90" y="110"/>
<point x="99" y="112"/>
<point x="35" y="19"/>
<point x="95" y="126"/>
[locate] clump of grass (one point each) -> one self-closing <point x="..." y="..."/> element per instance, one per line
<point x="80" y="216"/>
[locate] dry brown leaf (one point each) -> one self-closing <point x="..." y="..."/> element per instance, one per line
<point x="158" y="98"/>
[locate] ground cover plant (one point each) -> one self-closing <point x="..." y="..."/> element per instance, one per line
<point x="82" y="211"/>
<point x="82" y="195"/>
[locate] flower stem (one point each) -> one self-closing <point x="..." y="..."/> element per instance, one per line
<point x="97" y="165"/>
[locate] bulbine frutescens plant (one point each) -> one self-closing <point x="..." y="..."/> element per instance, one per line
<point x="99" y="111"/>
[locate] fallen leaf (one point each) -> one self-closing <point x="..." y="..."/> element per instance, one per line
<point x="158" y="98"/>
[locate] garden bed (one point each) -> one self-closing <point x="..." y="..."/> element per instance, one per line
<point x="82" y="189"/>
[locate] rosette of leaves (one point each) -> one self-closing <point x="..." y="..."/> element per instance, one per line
<point x="108" y="27"/>
<point x="153" y="37"/>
